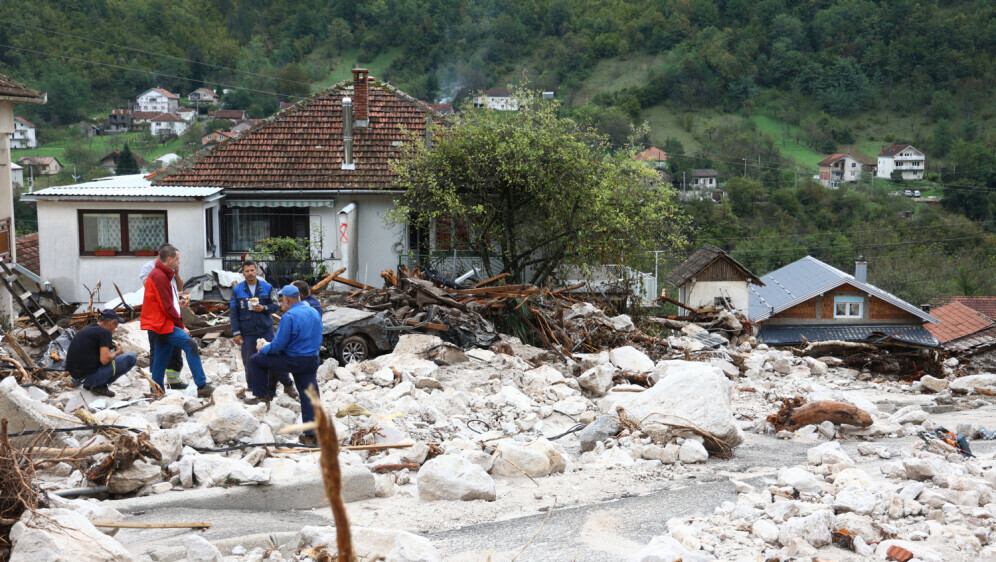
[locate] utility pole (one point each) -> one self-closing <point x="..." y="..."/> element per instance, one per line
<point x="683" y="183"/>
<point x="745" y="166"/>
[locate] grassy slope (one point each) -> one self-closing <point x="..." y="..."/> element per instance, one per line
<point x="664" y="123"/>
<point x="789" y="147"/>
<point x="102" y="145"/>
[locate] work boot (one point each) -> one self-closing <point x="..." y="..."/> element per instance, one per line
<point x="256" y="400"/>
<point x="101" y="390"/>
<point x="306" y="439"/>
<point x="174" y="381"/>
<point x="205" y="391"/>
<point x="291" y="391"/>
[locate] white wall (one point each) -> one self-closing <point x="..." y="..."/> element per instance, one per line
<point x="376" y="242"/>
<point x="178" y="127"/>
<point x="6" y="193"/>
<point x="61" y="264"/>
<point x="701" y="294"/>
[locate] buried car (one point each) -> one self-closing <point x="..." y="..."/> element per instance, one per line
<point x="352" y="335"/>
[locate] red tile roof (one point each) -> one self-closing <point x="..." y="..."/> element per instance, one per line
<point x="14" y="89"/>
<point x="285" y="105"/>
<point x="983" y="305"/>
<point x="652" y="154"/>
<point x="830" y="159"/>
<point x="44" y="160"/>
<point x="27" y="252"/>
<point x="166" y="93"/>
<point x="442" y="107"/>
<point x="302" y="148"/>
<point x="233" y="114"/>
<point x="25" y="122"/>
<point x="894" y="149"/>
<point x="957" y="321"/>
<point x="145" y="114"/>
<point x="167" y="117"/>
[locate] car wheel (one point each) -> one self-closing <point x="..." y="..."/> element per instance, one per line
<point x="353" y="349"/>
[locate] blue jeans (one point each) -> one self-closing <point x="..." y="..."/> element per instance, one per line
<point x="164" y="351"/>
<point x="112" y="371"/>
<point x="249" y="349"/>
<point x="303" y="369"/>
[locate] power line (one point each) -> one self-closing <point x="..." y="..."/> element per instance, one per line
<point x="150" y="53"/>
<point x="119" y="67"/>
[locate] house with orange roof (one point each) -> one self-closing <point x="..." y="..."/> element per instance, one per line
<point x="902" y="158"/>
<point x="166" y="123"/>
<point x="965" y="330"/>
<point x="839" y="168"/>
<point x="157" y="100"/>
<point x="24" y="134"/>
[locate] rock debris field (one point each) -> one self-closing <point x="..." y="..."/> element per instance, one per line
<point x="498" y="434"/>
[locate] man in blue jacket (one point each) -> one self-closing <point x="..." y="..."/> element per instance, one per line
<point x="295" y="349"/>
<point x="249" y="312"/>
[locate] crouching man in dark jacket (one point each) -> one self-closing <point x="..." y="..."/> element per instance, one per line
<point x="90" y="359"/>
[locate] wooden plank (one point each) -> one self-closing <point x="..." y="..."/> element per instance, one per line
<point x="136" y="525"/>
<point x="327" y="279"/>
<point x="209" y="329"/>
<point x="25" y="358"/>
<point x="492" y="290"/>
<point x="492" y="279"/>
<point x="352" y="283"/>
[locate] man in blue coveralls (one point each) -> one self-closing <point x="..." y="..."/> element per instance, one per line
<point x="249" y="312"/>
<point x="294" y="350"/>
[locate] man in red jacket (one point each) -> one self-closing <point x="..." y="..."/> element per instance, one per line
<point x="161" y="315"/>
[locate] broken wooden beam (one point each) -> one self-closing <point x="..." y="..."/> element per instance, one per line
<point x="491" y="280"/>
<point x="815" y="413"/>
<point x="327" y="279"/>
<point x="430" y="325"/>
<point x="136" y="525"/>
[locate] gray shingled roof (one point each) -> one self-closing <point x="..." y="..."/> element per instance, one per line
<point x="699" y="261"/>
<point x="806" y="278"/>
<point x="792" y="335"/>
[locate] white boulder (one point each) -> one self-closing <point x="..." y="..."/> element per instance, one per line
<point x="200" y="550"/>
<point x="686" y="392"/>
<point x="628" y="358"/>
<point x="453" y="477"/>
<point x="61" y="535"/>
<point x="965" y="385"/>
<point x="692" y="452"/>
<point x="134" y="477"/>
<point x="800" y="479"/>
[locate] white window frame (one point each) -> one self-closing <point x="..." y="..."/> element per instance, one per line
<point x="853" y="307"/>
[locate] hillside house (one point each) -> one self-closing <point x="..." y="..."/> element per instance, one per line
<point x="139" y="117"/>
<point x="654" y="157"/>
<point x="704" y="178"/>
<point x="497" y="98"/>
<point x="11" y="93"/>
<point x="214" y="137"/>
<point x="158" y="100"/>
<point x="813" y="301"/>
<point x="243" y="125"/>
<point x="230" y="114"/>
<point x="188" y="114"/>
<point x="166" y="123"/>
<point x="966" y="331"/>
<point x="41" y="165"/>
<point x="24" y="135"/>
<point x="16" y="176"/>
<point x="839" y="168"/>
<point x="903" y="158"/>
<point x="119" y="121"/>
<point x="710" y="277"/>
<point x="203" y="95"/>
<point x="110" y="160"/>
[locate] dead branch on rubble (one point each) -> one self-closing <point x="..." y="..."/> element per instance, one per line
<point x="332" y="476"/>
<point x="796" y="412"/>
<point x="17" y="484"/>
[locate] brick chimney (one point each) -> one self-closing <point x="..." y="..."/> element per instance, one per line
<point x="360" y="98"/>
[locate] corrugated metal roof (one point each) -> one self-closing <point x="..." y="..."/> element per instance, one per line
<point x="134" y="186"/>
<point x="806" y="278"/>
<point x="790" y="335"/>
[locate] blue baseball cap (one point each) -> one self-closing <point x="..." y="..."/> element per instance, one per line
<point x="289" y="291"/>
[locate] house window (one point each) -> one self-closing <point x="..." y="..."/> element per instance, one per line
<point x="848" y="307"/>
<point x="122" y="231"/>
<point x="451" y="234"/>
<point x="209" y="231"/>
<point x="242" y="227"/>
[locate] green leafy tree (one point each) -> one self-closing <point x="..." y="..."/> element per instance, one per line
<point x="125" y="163"/>
<point x="540" y="191"/>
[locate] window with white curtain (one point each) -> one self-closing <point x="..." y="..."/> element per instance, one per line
<point x="125" y="232"/>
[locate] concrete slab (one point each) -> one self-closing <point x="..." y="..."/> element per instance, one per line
<point x="306" y="493"/>
<point x="24" y="413"/>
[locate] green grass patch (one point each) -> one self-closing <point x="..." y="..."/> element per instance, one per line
<point x="787" y="145"/>
<point x="614" y="74"/>
<point x="346" y="62"/>
<point x="664" y="123"/>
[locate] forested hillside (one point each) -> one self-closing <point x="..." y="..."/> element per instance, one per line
<point x="758" y="90"/>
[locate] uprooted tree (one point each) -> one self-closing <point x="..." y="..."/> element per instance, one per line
<point x="537" y="192"/>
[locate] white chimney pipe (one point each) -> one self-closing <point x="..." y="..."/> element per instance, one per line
<point x="347" y="134"/>
<point x="861" y="270"/>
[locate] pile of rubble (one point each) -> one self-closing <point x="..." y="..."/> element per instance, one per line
<point x="426" y="436"/>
